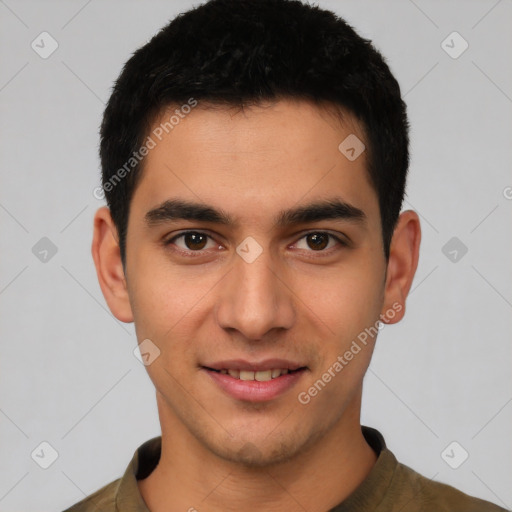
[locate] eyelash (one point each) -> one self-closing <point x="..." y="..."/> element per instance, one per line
<point x="195" y="254"/>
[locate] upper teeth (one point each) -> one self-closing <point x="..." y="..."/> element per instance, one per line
<point x="260" y="376"/>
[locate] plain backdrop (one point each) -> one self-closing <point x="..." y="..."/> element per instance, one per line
<point x="68" y="374"/>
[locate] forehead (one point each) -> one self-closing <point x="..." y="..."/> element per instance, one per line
<point x="255" y="161"/>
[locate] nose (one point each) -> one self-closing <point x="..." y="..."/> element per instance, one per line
<point x="256" y="298"/>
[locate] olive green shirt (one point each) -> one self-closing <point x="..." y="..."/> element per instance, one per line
<point x="389" y="487"/>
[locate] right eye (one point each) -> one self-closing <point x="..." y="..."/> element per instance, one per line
<point x="193" y="242"/>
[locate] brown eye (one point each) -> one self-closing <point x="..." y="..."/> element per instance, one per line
<point x="321" y="242"/>
<point x="195" y="240"/>
<point x="318" y="241"/>
<point x="191" y="241"/>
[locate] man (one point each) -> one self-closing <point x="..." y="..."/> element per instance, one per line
<point x="254" y="158"/>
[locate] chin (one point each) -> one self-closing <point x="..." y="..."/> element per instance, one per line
<point x="263" y="452"/>
<point x="257" y="456"/>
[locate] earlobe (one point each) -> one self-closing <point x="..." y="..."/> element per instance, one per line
<point x="109" y="268"/>
<point x="402" y="264"/>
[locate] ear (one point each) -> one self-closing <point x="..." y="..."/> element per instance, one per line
<point x="109" y="267"/>
<point x="402" y="264"/>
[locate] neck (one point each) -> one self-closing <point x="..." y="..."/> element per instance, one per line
<point x="190" y="477"/>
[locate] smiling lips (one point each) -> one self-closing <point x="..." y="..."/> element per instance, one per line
<point x="262" y="371"/>
<point x="260" y="376"/>
<point x="255" y="382"/>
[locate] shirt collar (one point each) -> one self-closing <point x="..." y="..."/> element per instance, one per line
<point x="372" y="490"/>
<point x="145" y="459"/>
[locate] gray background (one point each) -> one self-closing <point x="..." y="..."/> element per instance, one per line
<point x="67" y="369"/>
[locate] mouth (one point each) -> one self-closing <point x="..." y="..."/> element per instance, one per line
<point x="260" y="376"/>
<point x="255" y="382"/>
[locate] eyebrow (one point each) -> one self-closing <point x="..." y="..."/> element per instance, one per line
<point x="330" y="209"/>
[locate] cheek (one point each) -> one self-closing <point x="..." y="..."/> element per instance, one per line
<point x="163" y="295"/>
<point x="170" y="308"/>
<point x="344" y="301"/>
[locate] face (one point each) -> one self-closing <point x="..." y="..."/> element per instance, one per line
<point x="222" y="296"/>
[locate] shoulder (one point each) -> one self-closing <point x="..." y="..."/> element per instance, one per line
<point x="421" y="494"/>
<point x="103" y="499"/>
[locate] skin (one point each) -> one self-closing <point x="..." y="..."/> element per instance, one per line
<point x="294" y="301"/>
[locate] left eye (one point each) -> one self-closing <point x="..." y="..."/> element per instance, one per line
<point x="320" y="240"/>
